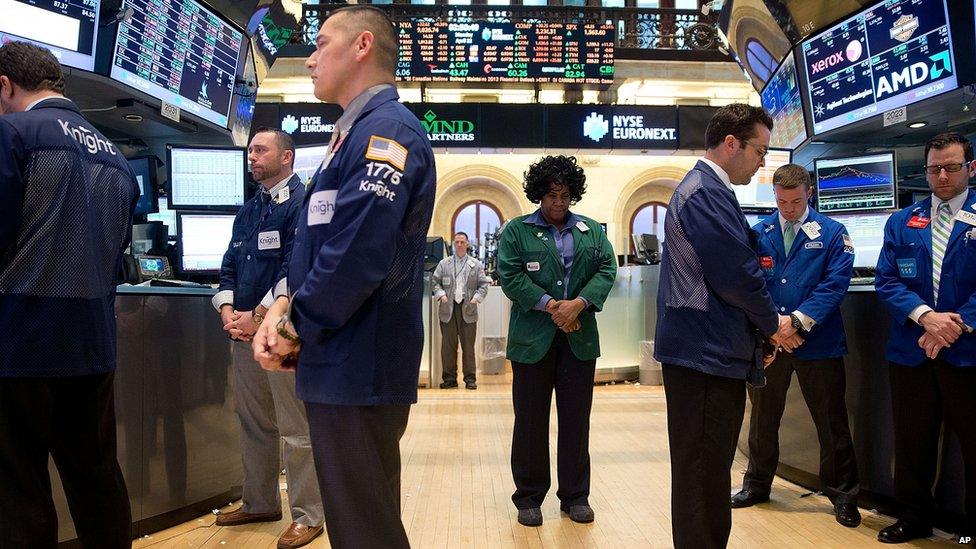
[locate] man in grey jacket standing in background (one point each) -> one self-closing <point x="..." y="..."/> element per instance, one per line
<point x="460" y="285"/>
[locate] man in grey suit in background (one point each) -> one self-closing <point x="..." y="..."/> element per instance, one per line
<point x="460" y="285"/>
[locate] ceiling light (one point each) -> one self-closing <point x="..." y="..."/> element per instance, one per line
<point x="132" y="117"/>
<point x="919" y="124"/>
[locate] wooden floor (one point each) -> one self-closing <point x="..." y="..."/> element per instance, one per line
<point x="457" y="485"/>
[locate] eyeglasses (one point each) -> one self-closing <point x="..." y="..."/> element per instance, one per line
<point x="763" y="151"/>
<point x="936" y="169"/>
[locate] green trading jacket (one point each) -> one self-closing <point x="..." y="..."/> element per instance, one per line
<point x="530" y="332"/>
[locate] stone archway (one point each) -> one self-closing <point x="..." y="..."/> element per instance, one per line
<point x="654" y="185"/>
<point x="476" y="182"/>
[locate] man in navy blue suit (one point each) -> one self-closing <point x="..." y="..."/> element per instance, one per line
<point x="927" y="278"/>
<point x="713" y="307"/>
<point x="807" y="259"/>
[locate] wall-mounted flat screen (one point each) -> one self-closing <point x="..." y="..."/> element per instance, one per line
<point x="203" y="239"/>
<point x="895" y="53"/>
<point x="781" y="97"/>
<point x="180" y="52"/>
<point x="856" y="183"/>
<point x="480" y="51"/>
<point x="867" y="232"/>
<point x="68" y="28"/>
<point x="758" y="194"/>
<point x="206" y="178"/>
<point x="243" y="116"/>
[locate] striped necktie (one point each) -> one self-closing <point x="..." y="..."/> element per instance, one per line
<point x="940" y="240"/>
<point x="789" y="235"/>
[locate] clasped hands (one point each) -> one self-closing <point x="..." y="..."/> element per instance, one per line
<point x="239" y="325"/>
<point x="565" y="313"/>
<point x="941" y="331"/>
<point x="785" y="338"/>
<point x="272" y="351"/>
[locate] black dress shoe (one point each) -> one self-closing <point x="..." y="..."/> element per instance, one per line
<point x="747" y="498"/>
<point x="578" y="513"/>
<point x="470" y="385"/>
<point x="530" y="517"/>
<point x="904" y="530"/>
<point x="449" y="385"/>
<point x="847" y="515"/>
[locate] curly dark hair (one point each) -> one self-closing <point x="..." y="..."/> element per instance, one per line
<point x="560" y="170"/>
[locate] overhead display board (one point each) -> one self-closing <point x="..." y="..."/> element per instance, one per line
<point x="782" y="98"/>
<point x="180" y="52"/>
<point x="68" y="28"/>
<point x="478" y="51"/>
<point x="896" y="53"/>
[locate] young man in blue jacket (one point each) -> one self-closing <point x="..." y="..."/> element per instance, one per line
<point x="355" y="282"/>
<point x="927" y="278"/>
<point x="66" y="200"/>
<point x="713" y="306"/>
<point x="807" y="259"/>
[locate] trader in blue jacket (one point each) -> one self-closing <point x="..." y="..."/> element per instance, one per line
<point x="266" y="404"/>
<point x="66" y="200"/>
<point x="927" y="278"/>
<point x="356" y="282"/>
<point x="807" y="259"/>
<point x="713" y="305"/>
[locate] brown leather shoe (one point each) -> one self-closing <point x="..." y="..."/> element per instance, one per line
<point x="298" y="535"/>
<point x="238" y="516"/>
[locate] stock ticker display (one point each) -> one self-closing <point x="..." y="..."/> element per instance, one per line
<point x="66" y="27"/>
<point x="477" y="51"/>
<point x="180" y="52"/>
<point x="781" y="97"/>
<point x="894" y="54"/>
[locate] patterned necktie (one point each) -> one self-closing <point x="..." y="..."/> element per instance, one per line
<point x="940" y="240"/>
<point x="789" y="236"/>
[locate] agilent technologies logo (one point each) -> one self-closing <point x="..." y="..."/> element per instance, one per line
<point x="596" y="127"/>
<point x="289" y="124"/>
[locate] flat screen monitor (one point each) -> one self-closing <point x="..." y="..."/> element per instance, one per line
<point x="246" y="94"/>
<point x="758" y="194"/>
<point x="179" y="52"/>
<point x="782" y="98"/>
<point x="206" y="178"/>
<point x="895" y="53"/>
<point x="68" y="28"/>
<point x="867" y="233"/>
<point x="145" y="170"/>
<point x="308" y="160"/>
<point x="856" y="183"/>
<point x="164" y="215"/>
<point x="752" y="219"/>
<point x="203" y="239"/>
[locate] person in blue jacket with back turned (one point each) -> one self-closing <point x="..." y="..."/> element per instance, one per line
<point x="355" y="284"/>
<point x="927" y="277"/>
<point x="807" y="259"/>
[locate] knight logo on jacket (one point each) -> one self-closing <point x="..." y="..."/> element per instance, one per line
<point x="87" y="138"/>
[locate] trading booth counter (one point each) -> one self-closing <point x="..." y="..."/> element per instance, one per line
<point x="866" y="321"/>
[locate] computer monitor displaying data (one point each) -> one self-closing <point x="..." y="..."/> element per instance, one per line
<point x="203" y="239"/>
<point x="308" y="160"/>
<point x="867" y="232"/>
<point x="758" y="194"/>
<point x="145" y="170"/>
<point x="67" y="28"/>
<point x="206" y="178"/>
<point x="856" y="183"/>
<point x="164" y="215"/>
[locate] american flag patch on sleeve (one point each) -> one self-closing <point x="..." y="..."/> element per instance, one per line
<point x="387" y="150"/>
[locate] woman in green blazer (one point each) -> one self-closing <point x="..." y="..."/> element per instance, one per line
<point x="557" y="267"/>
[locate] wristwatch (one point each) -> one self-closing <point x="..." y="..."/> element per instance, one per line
<point x="795" y="321"/>
<point x="257" y="317"/>
<point x="283" y="331"/>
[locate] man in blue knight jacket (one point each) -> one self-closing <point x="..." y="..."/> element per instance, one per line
<point x="66" y="200"/>
<point x="355" y="282"/>
<point x="927" y="278"/>
<point x="807" y="259"/>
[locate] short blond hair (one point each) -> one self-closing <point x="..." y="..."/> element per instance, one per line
<point x="791" y="176"/>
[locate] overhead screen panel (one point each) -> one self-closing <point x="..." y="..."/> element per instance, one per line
<point x="180" y="52"/>
<point x="782" y="98"/>
<point x="478" y="51"/>
<point x="895" y="53"/>
<point x="68" y="28"/>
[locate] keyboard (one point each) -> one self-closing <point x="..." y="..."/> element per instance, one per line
<point x="862" y="281"/>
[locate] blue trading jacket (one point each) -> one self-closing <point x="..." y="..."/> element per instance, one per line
<point x="904" y="281"/>
<point x="813" y="277"/>
<point x="260" y="246"/>
<point x="356" y="271"/>
<point x="712" y="297"/>
<point x="66" y="200"/>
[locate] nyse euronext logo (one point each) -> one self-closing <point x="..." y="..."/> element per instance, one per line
<point x="596" y="127"/>
<point x="289" y="124"/>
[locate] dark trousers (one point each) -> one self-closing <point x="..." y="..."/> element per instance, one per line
<point x="357" y="459"/>
<point x="823" y="385"/>
<point x="451" y="332"/>
<point x="532" y="388"/>
<point x="704" y="418"/>
<point x="921" y="398"/>
<point x="73" y="421"/>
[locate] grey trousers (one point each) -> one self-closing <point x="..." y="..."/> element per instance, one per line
<point x="269" y="411"/>
<point x="451" y="332"/>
